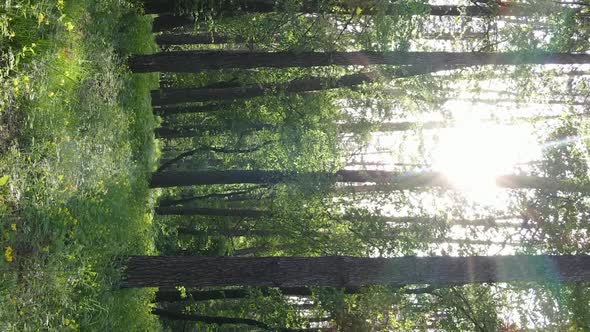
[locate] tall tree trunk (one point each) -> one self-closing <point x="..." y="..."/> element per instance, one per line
<point x="169" y="133"/>
<point x="497" y="101"/>
<point x="342" y="272"/>
<point x="196" y="61"/>
<point x="398" y="126"/>
<point x="410" y="125"/>
<point x="172" y="315"/>
<point x="226" y="232"/>
<point x="259" y="250"/>
<point x="173" y="295"/>
<point x="169" y="96"/>
<point x="192" y="131"/>
<point x="316" y="7"/>
<point x="180" y="95"/>
<point x="318" y="319"/>
<point x="171" y="110"/>
<point x="169" y="201"/>
<point x="468" y="242"/>
<point x="479" y="11"/>
<point x="200" y="38"/>
<point x="192" y="211"/>
<point x="173" y="22"/>
<point x="505" y="221"/>
<point x="159" y="6"/>
<point x="453" y="36"/>
<point x="225" y="8"/>
<point x="393" y="180"/>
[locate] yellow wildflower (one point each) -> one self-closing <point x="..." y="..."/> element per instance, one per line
<point x="13" y="226"/>
<point x="40" y="18"/>
<point x="8" y="254"/>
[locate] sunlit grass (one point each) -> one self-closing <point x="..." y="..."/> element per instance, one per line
<point x="76" y="199"/>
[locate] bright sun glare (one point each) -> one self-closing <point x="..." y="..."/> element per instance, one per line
<point x="473" y="153"/>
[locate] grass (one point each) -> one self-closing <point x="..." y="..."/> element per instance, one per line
<point x="76" y="146"/>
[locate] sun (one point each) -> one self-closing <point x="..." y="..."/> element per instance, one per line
<point x="473" y="153"/>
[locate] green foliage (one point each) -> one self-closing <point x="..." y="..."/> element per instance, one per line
<point x="479" y="315"/>
<point x="74" y="200"/>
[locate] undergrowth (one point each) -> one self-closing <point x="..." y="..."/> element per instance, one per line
<point x="76" y="146"/>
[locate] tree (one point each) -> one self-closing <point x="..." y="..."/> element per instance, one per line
<point x="172" y="22"/>
<point x="173" y="295"/>
<point x="505" y="221"/>
<point x="393" y="179"/>
<point x="167" y="314"/>
<point x="233" y="195"/>
<point x="341" y="7"/>
<point x="200" y="38"/>
<point x="171" y="110"/>
<point x="212" y="212"/>
<point x="226" y="232"/>
<point x="342" y="272"/>
<point x="195" y="131"/>
<point x="166" y="96"/>
<point x="196" y="61"/>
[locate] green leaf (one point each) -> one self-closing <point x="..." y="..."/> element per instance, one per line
<point x="359" y="10"/>
<point x="3" y="180"/>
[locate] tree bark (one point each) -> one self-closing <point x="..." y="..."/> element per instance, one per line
<point x="171" y="110"/>
<point x="497" y="101"/>
<point x="399" y="126"/>
<point x="172" y="315"/>
<point x="342" y="272"/>
<point x="315" y="7"/>
<point x="187" y="131"/>
<point x="226" y="8"/>
<point x="425" y="125"/>
<point x="468" y="242"/>
<point x="393" y="180"/>
<point x="259" y="250"/>
<point x="479" y="11"/>
<point x="483" y="222"/>
<point x="200" y="38"/>
<point x="172" y="22"/>
<point x="169" y="96"/>
<point x="192" y="211"/>
<point x="169" y="201"/>
<point x="159" y="6"/>
<point x="196" y="61"/>
<point x="169" y="133"/>
<point x="172" y="295"/>
<point x="226" y="232"/>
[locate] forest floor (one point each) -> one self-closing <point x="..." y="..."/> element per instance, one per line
<point x="76" y="148"/>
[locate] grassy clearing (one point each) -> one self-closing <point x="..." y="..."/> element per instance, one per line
<point x="76" y="146"/>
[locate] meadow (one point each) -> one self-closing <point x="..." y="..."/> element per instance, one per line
<point x="76" y="145"/>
